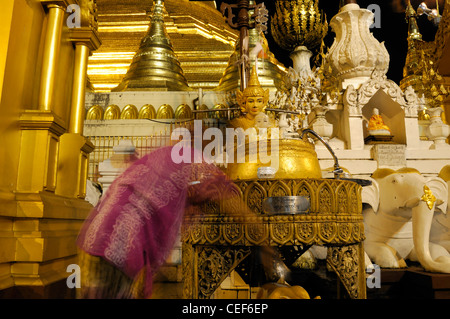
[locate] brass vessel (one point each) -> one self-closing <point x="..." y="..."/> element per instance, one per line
<point x="296" y="159"/>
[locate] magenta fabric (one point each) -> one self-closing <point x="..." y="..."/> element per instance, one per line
<point x="136" y="223"/>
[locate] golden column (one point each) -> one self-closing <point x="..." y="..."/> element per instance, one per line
<point x="82" y="53"/>
<point x="74" y="147"/>
<point x="53" y="155"/>
<point x="56" y="10"/>
<point x="41" y="127"/>
<point x="44" y="223"/>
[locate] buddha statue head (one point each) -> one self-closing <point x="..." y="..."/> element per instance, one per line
<point x="254" y="98"/>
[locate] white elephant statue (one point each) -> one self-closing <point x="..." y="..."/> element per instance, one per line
<point x="399" y="208"/>
<point x="440" y="227"/>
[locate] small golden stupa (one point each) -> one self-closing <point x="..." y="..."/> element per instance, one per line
<point x="155" y="64"/>
<point x="270" y="71"/>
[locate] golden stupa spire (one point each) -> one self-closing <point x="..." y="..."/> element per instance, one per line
<point x="413" y="57"/>
<point x="253" y="81"/>
<point x="254" y="87"/>
<point x="270" y="71"/>
<point x="411" y="17"/>
<point x="155" y="66"/>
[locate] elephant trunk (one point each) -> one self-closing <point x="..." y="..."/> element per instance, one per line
<point x="422" y="217"/>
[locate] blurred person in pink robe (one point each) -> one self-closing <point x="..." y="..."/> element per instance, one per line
<point x="132" y="230"/>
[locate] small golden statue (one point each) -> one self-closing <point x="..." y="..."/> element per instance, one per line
<point x="378" y="130"/>
<point x="252" y="101"/>
<point x="376" y="124"/>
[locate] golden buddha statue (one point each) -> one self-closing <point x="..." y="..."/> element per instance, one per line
<point x="378" y="131"/>
<point x="376" y="124"/>
<point x="288" y="158"/>
<point x="252" y="101"/>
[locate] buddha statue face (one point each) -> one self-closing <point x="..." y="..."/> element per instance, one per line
<point x="253" y="102"/>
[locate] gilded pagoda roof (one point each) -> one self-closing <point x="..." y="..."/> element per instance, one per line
<point x="123" y="24"/>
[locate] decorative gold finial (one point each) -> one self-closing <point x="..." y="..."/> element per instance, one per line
<point x="428" y="197"/>
<point x="253" y="81"/>
<point x="298" y="23"/>
<point x="411" y="17"/>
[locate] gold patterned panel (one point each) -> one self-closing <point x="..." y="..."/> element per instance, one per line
<point x="355" y="200"/>
<point x="256" y="233"/>
<point x="305" y="189"/>
<point x="147" y="112"/>
<point x="342" y="201"/>
<point x="275" y="230"/>
<point x="129" y="112"/>
<point x="112" y="112"/>
<point x="306" y="233"/>
<point x="95" y="112"/>
<point x="188" y="270"/>
<point x="345" y="231"/>
<point x="278" y="189"/>
<point x="229" y="204"/>
<point x="254" y="196"/>
<point x="325" y="198"/>
<point x="196" y="232"/>
<point x="358" y="232"/>
<point x="213" y="265"/>
<point x="328" y="230"/>
<point x="282" y="233"/>
<point x="344" y="261"/>
<point x="233" y="233"/>
<point x="183" y="111"/>
<point x="335" y="218"/>
<point x="212" y="233"/>
<point x="216" y="242"/>
<point x="165" y="111"/>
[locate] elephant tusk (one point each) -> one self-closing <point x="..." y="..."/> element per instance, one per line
<point x="428" y="197"/>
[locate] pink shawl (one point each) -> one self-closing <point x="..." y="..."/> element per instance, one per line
<point x="136" y="223"/>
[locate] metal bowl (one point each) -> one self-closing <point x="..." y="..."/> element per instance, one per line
<point x="290" y="205"/>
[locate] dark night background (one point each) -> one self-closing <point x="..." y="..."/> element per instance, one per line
<point x="393" y="31"/>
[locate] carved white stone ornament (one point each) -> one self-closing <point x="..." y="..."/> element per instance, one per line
<point x="378" y="81"/>
<point x="355" y="52"/>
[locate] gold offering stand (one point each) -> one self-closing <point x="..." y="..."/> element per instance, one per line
<point x="215" y="243"/>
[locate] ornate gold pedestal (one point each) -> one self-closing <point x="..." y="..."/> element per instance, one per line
<point x="215" y="243"/>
